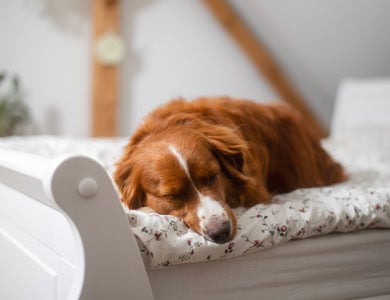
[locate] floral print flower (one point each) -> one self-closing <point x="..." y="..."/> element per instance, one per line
<point x="157" y="236"/>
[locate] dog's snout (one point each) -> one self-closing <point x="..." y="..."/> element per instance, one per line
<point x="216" y="221"/>
<point x="219" y="232"/>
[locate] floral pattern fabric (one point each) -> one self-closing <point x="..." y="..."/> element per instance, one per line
<point x="361" y="202"/>
<point x="166" y="240"/>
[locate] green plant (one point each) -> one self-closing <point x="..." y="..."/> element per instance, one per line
<point x="14" y="114"/>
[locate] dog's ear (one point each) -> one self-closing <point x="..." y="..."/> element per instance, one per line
<point x="229" y="149"/>
<point x="126" y="176"/>
<point x="234" y="158"/>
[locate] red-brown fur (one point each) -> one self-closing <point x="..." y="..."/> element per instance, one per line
<point x="256" y="150"/>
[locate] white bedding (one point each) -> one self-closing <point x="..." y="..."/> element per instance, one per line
<point x="362" y="202"/>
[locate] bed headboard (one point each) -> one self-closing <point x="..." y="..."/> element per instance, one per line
<point x="105" y="77"/>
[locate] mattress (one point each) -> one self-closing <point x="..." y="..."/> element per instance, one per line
<point x="336" y="266"/>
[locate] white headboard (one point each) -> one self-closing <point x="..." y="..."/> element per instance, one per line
<point x="361" y="104"/>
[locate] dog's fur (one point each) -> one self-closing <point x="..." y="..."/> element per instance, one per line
<point x="197" y="160"/>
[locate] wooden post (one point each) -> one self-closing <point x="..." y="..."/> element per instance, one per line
<point x="262" y="59"/>
<point x="105" y="16"/>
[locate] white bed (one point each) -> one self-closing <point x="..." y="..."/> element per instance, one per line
<point x="84" y="246"/>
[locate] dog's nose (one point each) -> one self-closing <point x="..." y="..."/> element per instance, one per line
<point x="219" y="234"/>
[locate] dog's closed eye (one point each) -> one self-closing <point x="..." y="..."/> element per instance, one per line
<point x="175" y="197"/>
<point x="210" y="179"/>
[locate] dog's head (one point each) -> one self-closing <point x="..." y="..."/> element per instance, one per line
<point x="188" y="169"/>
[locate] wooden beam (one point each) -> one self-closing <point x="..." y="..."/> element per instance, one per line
<point x="262" y="59"/>
<point x="105" y="16"/>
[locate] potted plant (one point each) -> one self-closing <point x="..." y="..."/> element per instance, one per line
<point x="15" y="117"/>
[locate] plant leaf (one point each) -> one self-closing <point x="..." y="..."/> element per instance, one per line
<point x="16" y="84"/>
<point x="2" y="76"/>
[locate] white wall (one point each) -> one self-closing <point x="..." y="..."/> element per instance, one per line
<point x="46" y="42"/>
<point x="318" y="43"/>
<point x="175" y="48"/>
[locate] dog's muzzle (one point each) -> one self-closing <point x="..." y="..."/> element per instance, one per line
<point x="218" y="230"/>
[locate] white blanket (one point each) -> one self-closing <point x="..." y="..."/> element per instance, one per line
<point x="362" y="202"/>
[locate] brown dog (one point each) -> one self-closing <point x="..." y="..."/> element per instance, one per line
<point x="197" y="160"/>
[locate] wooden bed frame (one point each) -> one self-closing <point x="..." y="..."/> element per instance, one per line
<point x="105" y="77"/>
<point x="108" y="264"/>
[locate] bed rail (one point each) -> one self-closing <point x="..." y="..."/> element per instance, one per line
<point x="110" y="265"/>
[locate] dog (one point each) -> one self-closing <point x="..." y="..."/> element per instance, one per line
<point x="199" y="159"/>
